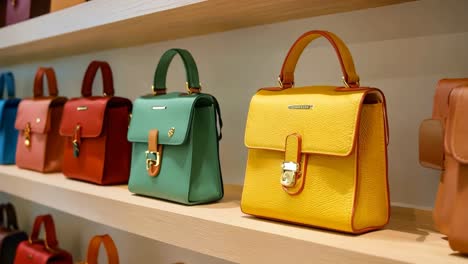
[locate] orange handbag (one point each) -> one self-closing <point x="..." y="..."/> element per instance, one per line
<point x="95" y="127"/>
<point x="40" y="146"/>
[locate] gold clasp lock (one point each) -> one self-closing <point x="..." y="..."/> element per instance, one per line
<point x="152" y="161"/>
<point x="27" y="135"/>
<point x="290" y="170"/>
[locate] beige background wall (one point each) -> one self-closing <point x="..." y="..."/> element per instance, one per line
<point x="403" y="50"/>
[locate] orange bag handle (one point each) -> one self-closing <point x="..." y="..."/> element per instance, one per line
<point x="350" y="77"/>
<point x="93" y="250"/>
<point x="51" y="81"/>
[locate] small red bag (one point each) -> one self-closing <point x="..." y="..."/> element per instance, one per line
<point x="95" y="127"/>
<point x="35" y="251"/>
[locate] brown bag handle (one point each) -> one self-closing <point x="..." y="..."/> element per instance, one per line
<point x="94" y="66"/>
<point x="109" y="245"/>
<point x="11" y="220"/>
<point x="51" y="82"/>
<point x="50" y="236"/>
<point x="350" y="77"/>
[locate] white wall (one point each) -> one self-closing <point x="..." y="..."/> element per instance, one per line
<point x="402" y="49"/>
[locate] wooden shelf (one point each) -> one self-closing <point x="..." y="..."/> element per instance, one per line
<point x="106" y="24"/>
<point x="223" y="231"/>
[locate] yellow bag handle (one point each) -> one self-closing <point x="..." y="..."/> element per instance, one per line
<point x="350" y="77"/>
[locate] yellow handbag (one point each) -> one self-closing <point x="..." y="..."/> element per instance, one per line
<point x="318" y="154"/>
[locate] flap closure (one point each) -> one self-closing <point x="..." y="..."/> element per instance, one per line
<point x="36" y="113"/>
<point x="88" y="112"/>
<point x="326" y="119"/>
<point x="170" y="114"/>
<point x="13" y="102"/>
<point x="456" y="142"/>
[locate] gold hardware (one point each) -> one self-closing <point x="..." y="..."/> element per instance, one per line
<point x="290" y="170"/>
<point x="27" y="135"/>
<point x="300" y="107"/>
<point x="171" y="132"/>
<point x="82" y="108"/>
<point x="155" y="92"/>
<point x="13" y="3"/>
<point x="190" y="91"/>
<point x="154" y="161"/>
<point x="280" y="83"/>
<point x="76" y="142"/>
<point x="346" y="84"/>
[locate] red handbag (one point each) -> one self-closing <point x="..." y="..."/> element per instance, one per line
<point x="36" y="251"/>
<point x="96" y="147"/>
<point x="40" y="146"/>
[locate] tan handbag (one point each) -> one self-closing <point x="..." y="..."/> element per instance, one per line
<point x="443" y="146"/>
<point x="56" y="5"/>
<point x="40" y="146"/>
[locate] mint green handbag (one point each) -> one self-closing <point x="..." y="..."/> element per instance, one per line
<point x="175" y="140"/>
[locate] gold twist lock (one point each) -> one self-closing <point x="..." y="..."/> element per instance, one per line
<point x="152" y="159"/>
<point x="291" y="166"/>
<point x="290" y="170"/>
<point x="27" y="135"/>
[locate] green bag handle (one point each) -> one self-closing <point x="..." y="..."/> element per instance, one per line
<point x="193" y="83"/>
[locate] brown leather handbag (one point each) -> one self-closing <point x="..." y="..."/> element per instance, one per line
<point x="47" y="251"/>
<point x="95" y="127"/>
<point x="20" y="10"/>
<point x="40" y="146"/>
<point x="10" y="236"/>
<point x="443" y="146"/>
<point x="93" y="250"/>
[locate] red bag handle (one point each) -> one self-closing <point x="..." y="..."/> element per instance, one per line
<point x="94" y="66"/>
<point x="51" y="82"/>
<point x="109" y="245"/>
<point x="350" y="77"/>
<point x="50" y="236"/>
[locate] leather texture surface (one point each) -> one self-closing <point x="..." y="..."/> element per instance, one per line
<point x="40" y="146"/>
<point x="10" y="235"/>
<point x="103" y="155"/>
<point x="47" y="251"/>
<point x="20" y="10"/>
<point x="431" y="144"/>
<point x="56" y="5"/>
<point x="8" y="111"/>
<point x="450" y="215"/>
<point x="189" y="169"/>
<point x="109" y="246"/>
<point x="342" y="179"/>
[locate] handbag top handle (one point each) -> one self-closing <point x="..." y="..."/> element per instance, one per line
<point x="93" y="250"/>
<point x="193" y="83"/>
<point x="7" y="79"/>
<point x="94" y="66"/>
<point x="350" y="77"/>
<point x="11" y="222"/>
<point x="50" y="236"/>
<point x="51" y="82"/>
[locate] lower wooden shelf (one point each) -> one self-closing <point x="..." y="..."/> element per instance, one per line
<point x="222" y="230"/>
